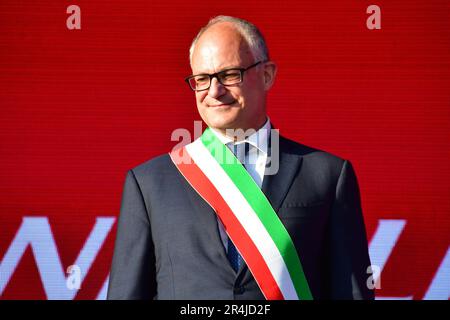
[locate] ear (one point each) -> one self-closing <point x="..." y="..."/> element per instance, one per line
<point x="270" y="71"/>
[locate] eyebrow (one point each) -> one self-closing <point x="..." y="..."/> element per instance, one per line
<point x="225" y="69"/>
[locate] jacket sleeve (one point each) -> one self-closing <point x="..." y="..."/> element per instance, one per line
<point x="348" y="241"/>
<point x="133" y="274"/>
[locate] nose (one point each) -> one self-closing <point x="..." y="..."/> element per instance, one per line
<point x="216" y="89"/>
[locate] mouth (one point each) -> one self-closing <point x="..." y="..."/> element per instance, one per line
<point x="222" y="105"/>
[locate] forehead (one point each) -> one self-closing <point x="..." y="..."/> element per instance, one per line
<point x="220" y="47"/>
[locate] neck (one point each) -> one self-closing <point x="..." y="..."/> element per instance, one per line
<point x="238" y="134"/>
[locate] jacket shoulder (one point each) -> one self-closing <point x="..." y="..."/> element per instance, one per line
<point x="156" y="167"/>
<point x="159" y="161"/>
<point x="318" y="157"/>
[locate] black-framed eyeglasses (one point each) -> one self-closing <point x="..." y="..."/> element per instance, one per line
<point x="227" y="77"/>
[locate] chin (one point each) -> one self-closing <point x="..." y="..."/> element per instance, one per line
<point x="221" y="125"/>
<point x="222" y="121"/>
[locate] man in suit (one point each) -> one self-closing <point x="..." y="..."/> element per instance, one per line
<point x="173" y="244"/>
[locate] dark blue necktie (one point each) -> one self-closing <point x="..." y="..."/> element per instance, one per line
<point x="233" y="256"/>
<point x="240" y="151"/>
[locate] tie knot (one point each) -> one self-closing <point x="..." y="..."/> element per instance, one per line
<point x="241" y="150"/>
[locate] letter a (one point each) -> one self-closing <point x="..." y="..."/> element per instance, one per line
<point x="74" y="20"/>
<point x="374" y="21"/>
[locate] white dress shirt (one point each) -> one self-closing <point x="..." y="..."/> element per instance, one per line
<point x="255" y="161"/>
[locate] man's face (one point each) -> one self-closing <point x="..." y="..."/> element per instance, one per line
<point x="229" y="107"/>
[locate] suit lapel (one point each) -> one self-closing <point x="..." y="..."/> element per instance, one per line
<point x="276" y="186"/>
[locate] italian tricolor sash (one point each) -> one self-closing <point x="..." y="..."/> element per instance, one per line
<point x="246" y="214"/>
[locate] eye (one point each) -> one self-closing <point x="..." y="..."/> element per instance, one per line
<point x="230" y="75"/>
<point x="201" y="79"/>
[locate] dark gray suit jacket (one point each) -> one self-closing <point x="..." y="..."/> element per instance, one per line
<point x="168" y="244"/>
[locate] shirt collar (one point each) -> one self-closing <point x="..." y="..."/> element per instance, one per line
<point x="259" y="139"/>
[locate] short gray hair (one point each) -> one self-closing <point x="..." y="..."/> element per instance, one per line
<point x="248" y="31"/>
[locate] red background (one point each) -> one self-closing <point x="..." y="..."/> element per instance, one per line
<point x="78" y="108"/>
